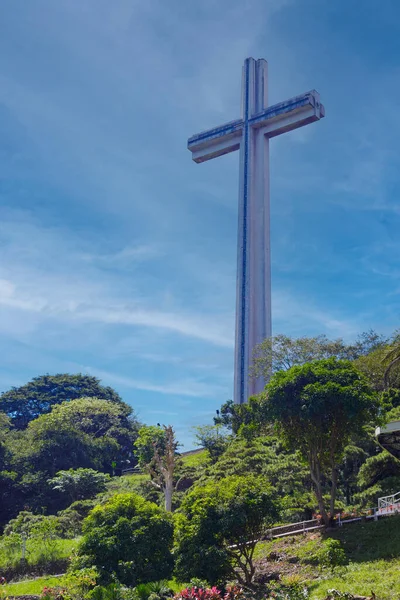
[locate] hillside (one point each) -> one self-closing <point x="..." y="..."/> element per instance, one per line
<point x="372" y="550"/>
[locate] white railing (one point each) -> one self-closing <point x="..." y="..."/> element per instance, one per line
<point x="389" y="504"/>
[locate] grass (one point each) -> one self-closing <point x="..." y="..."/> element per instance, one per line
<point x="372" y="549"/>
<point x="197" y="459"/>
<point x="10" y="556"/>
<point x="381" y="577"/>
<point x="27" y="587"/>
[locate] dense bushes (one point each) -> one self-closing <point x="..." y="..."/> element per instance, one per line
<point x="128" y="538"/>
<point x="218" y="526"/>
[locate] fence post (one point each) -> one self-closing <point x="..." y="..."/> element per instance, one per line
<point x="375" y="515"/>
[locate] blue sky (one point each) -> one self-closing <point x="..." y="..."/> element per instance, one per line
<point x="118" y="253"/>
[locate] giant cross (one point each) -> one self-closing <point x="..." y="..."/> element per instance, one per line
<point x="251" y="134"/>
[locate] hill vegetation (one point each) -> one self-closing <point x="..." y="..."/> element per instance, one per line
<point x="302" y="449"/>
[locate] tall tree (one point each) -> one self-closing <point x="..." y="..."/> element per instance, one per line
<point x="37" y="397"/>
<point x="156" y="449"/>
<point x="282" y="352"/>
<point x="87" y="433"/>
<point x="317" y="408"/>
<point x="392" y="359"/>
<point x="218" y="527"/>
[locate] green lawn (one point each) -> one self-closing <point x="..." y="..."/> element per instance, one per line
<point x="196" y="459"/>
<point x="30" y="587"/>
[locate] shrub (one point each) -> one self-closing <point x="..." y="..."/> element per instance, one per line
<point x="330" y="554"/>
<point x="218" y="526"/>
<point x="130" y="539"/>
<point x="81" y="582"/>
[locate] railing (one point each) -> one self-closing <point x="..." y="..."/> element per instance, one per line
<point x="389" y="504"/>
<point x="131" y="471"/>
<point x="293" y="528"/>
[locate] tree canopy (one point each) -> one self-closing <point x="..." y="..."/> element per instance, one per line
<point x="317" y="408"/>
<point x="37" y="397"/>
<point x="282" y="352"/>
<point x="218" y="527"/>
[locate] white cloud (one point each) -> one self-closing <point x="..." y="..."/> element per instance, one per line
<point x="185" y="387"/>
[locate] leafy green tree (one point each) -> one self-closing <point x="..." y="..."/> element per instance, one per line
<point x="218" y="526"/>
<point x="87" y="433"/>
<point x="213" y="439"/>
<point x="129" y="538"/>
<point x="248" y="420"/>
<point x="79" y="484"/>
<point x="379" y="476"/>
<point x="282" y="352"/>
<point x="392" y="359"/>
<point x="266" y="456"/>
<point x="374" y="365"/>
<point x="156" y="449"/>
<point x="317" y="408"/>
<point x="37" y="397"/>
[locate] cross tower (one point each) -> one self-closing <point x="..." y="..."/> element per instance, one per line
<point x="251" y="134"/>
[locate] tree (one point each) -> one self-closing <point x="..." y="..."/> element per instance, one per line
<point x="37" y="397"/>
<point x="130" y="538"/>
<point x="392" y="358"/>
<point x="87" y="433"/>
<point x="379" y="476"/>
<point x="79" y="484"/>
<point x="212" y="439"/>
<point x="282" y="352"/>
<point x="267" y="457"/>
<point x="248" y="419"/>
<point x="218" y="527"/>
<point x="156" y="449"/>
<point x="317" y="408"/>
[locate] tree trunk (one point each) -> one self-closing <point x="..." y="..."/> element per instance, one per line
<point x="168" y="493"/>
<point x="333" y="491"/>
<point x="315" y="473"/>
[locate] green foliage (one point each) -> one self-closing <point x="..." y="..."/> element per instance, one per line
<point x="156" y="449"/>
<point x="266" y="456"/>
<point x="86" y="433"/>
<point x="213" y="439"/>
<point x="28" y="402"/>
<point x="330" y="554"/>
<point x="80" y="583"/>
<point x="317" y="408"/>
<point x="23" y="523"/>
<point x="282" y="352"/>
<point x="79" y="484"/>
<point x="149" y="438"/>
<point x="378" y="476"/>
<point x="129" y="538"/>
<point x="217" y="528"/>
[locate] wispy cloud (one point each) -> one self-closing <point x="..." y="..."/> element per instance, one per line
<point x="185" y="387"/>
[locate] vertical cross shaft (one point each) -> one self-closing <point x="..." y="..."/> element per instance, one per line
<point x="253" y="299"/>
<point x="251" y="134"/>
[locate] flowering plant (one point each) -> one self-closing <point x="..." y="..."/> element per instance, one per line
<point x="197" y="593"/>
<point x="53" y="593"/>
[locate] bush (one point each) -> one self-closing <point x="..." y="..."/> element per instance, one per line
<point x="130" y="539"/>
<point x="23" y="523"/>
<point x="330" y="554"/>
<point x="218" y="526"/>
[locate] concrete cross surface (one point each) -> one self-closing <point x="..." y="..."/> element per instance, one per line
<point x="250" y="134"/>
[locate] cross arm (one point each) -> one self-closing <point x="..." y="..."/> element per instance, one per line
<point x="216" y="142"/>
<point x="289" y="115"/>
